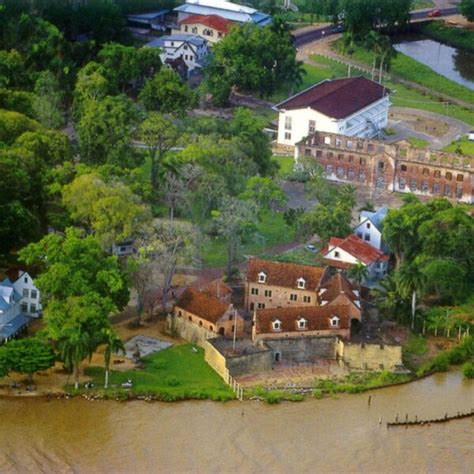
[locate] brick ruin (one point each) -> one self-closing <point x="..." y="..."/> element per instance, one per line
<point x="397" y="167"/>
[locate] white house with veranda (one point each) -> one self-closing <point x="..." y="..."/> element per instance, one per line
<point x="354" y="106"/>
<point x="370" y="227"/>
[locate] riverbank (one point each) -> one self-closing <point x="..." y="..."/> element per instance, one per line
<point x="454" y="36"/>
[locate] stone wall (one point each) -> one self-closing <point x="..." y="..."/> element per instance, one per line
<point x="303" y="350"/>
<point x="370" y="356"/>
<point x="188" y="331"/>
<point x="215" y="359"/>
<point x="250" y="363"/>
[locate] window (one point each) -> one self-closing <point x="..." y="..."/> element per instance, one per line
<point x="334" y="322"/>
<point x="360" y="145"/>
<point x="349" y="143"/>
<point x="413" y="185"/>
<point x="370" y="147"/>
<point x="260" y="305"/>
<point x="287" y="136"/>
<point x="327" y="140"/>
<point x="437" y="174"/>
<point x="351" y="158"/>
<point x="231" y="317"/>
<point x="350" y="174"/>
<point x="401" y="183"/>
<point x="319" y="153"/>
<point x="368" y="225"/>
<point x="381" y="165"/>
<point x="195" y="30"/>
<point x="306" y="299"/>
<point x="219" y="34"/>
<point x="362" y="161"/>
<point x="26" y="278"/>
<point x="459" y="177"/>
<point x="186" y="57"/>
<point x="24" y="307"/>
<point x="340" y="172"/>
<point x="277" y="356"/>
<point x="200" y="323"/>
<point x="211" y="328"/>
<point x="25" y="293"/>
<point x="301" y="283"/>
<point x="435" y="188"/>
<point x="34" y="294"/>
<point x="301" y="324"/>
<point x="191" y="58"/>
<point x="359" y="234"/>
<point x="268" y="293"/>
<point x="338" y="142"/>
<point x="340" y="156"/>
<point x="426" y="172"/>
<point x="189" y="317"/>
<point x="293" y="297"/>
<point x="185" y="47"/>
<point x="32" y="308"/>
<point x="330" y="155"/>
<point x="337" y="254"/>
<point x="307" y="152"/>
<point x="403" y="167"/>
<point x="262" y="277"/>
<point x="252" y="306"/>
<point x="361" y="176"/>
<point x="447" y="190"/>
<point x="276" y="325"/>
<point x="186" y="28"/>
<point x="367" y="237"/>
<point x="328" y="169"/>
<point x="449" y="176"/>
<point x="312" y="126"/>
<point x="254" y="291"/>
<point x="287" y="123"/>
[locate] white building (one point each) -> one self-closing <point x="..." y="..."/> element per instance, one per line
<point x="370" y="227"/>
<point x="212" y="27"/>
<point x="228" y="10"/>
<point x="23" y="284"/>
<point x="191" y="49"/>
<point x="355" y="106"/>
<point x="344" y="253"/>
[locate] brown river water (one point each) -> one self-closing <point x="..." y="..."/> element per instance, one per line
<point x="330" y="435"/>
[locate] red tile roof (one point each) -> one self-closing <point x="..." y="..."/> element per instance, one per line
<point x="202" y="305"/>
<point x="212" y="21"/>
<point x="356" y="247"/>
<point x="335" y="286"/>
<point x="338" y="98"/>
<point x="284" y="274"/>
<point x="218" y="289"/>
<point x="317" y="318"/>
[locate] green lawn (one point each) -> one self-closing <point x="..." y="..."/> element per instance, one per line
<point x="457" y="37"/>
<point x="407" y="68"/>
<point x="176" y="373"/>
<point x="286" y="165"/>
<point x="421" y="4"/>
<point x="418" y="142"/>
<point x="467" y="147"/>
<point x="272" y="230"/>
<point x="402" y="96"/>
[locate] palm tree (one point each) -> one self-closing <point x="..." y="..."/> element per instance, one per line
<point x="348" y="195"/>
<point x="389" y="299"/>
<point x="358" y="272"/>
<point x="113" y="344"/>
<point x="412" y="282"/>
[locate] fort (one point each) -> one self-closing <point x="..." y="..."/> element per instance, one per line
<point x="380" y="166"/>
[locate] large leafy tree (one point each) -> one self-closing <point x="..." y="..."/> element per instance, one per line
<point x="47" y="104"/>
<point x="412" y="283"/>
<point x="265" y="192"/>
<point x="110" y="210"/>
<point x="466" y="7"/>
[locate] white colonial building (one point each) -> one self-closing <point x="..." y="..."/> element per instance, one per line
<point x="190" y="49"/>
<point x="355" y="106"/>
<point x="370" y="227"/>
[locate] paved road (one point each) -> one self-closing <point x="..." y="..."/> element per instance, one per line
<point x="307" y="36"/>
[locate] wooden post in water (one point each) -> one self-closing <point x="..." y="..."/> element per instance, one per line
<point x="369" y="400"/>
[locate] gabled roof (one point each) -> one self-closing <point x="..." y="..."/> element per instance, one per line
<point x="335" y="286"/>
<point x="284" y="274"/>
<point x="375" y="217"/>
<point x="147" y="17"/>
<point x="218" y="289"/>
<point x="191" y="39"/>
<point x="356" y="247"/>
<point x="202" y="305"/>
<point x="317" y="318"/>
<point x="337" y="98"/>
<point x="212" y="21"/>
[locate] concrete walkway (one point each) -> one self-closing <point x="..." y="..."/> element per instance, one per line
<point x="456" y="127"/>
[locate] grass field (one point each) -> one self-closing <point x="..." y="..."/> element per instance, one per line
<point x="457" y="37"/>
<point x="467" y="147"/>
<point x="272" y="230"/>
<point x="286" y="165"/>
<point x="176" y="373"/>
<point x="418" y="142"/>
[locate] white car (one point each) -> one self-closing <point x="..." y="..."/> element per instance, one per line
<point x="311" y="248"/>
<point x="470" y="136"/>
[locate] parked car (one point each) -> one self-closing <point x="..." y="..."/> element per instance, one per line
<point x="434" y="13"/>
<point x="470" y="136"/>
<point x="311" y="248"/>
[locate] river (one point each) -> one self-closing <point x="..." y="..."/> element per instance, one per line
<point x="325" y="435"/>
<point x="455" y="64"/>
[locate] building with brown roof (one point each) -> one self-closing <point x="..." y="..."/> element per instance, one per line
<point x="206" y="311"/>
<point x="338" y="291"/>
<point x="315" y="321"/>
<point x="218" y="289"/>
<point x="379" y="167"/>
<point x="211" y="27"/>
<point x="354" y="106"/>
<point x="279" y="285"/>
<point x="344" y="253"/>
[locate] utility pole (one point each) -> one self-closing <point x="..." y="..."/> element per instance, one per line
<point x="235" y="330"/>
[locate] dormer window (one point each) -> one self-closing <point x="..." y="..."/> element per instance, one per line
<point x="276" y="325"/>
<point x="334" y="322"/>
<point x="301" y="283"/>
<point x="301" y="324"/>
<point x="262" y="277"/>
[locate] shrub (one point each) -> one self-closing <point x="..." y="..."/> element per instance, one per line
<point x="468" y="370"/>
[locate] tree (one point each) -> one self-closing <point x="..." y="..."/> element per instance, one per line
<point x="13" y="124"/>
<point x="265" y="193"/>
<point x="160" y="135"/>
<point x="466" y="7"/>
<point x="74" y="265"/>
<point x="234" y="220"/>
<point x="359" y="273"/>
<point x="110" y="210"/>
<point x="447" y="278"/>
<point x="172" y="244"/>
<point x="111" y="120"/>
<point x="167" y="93"/>
<point x="29" y="355"/>
<point x="47" y="104"/>
<point x="12" y="69"/>
<point x="113" y="344"/>
<point x="412" y="281"/>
